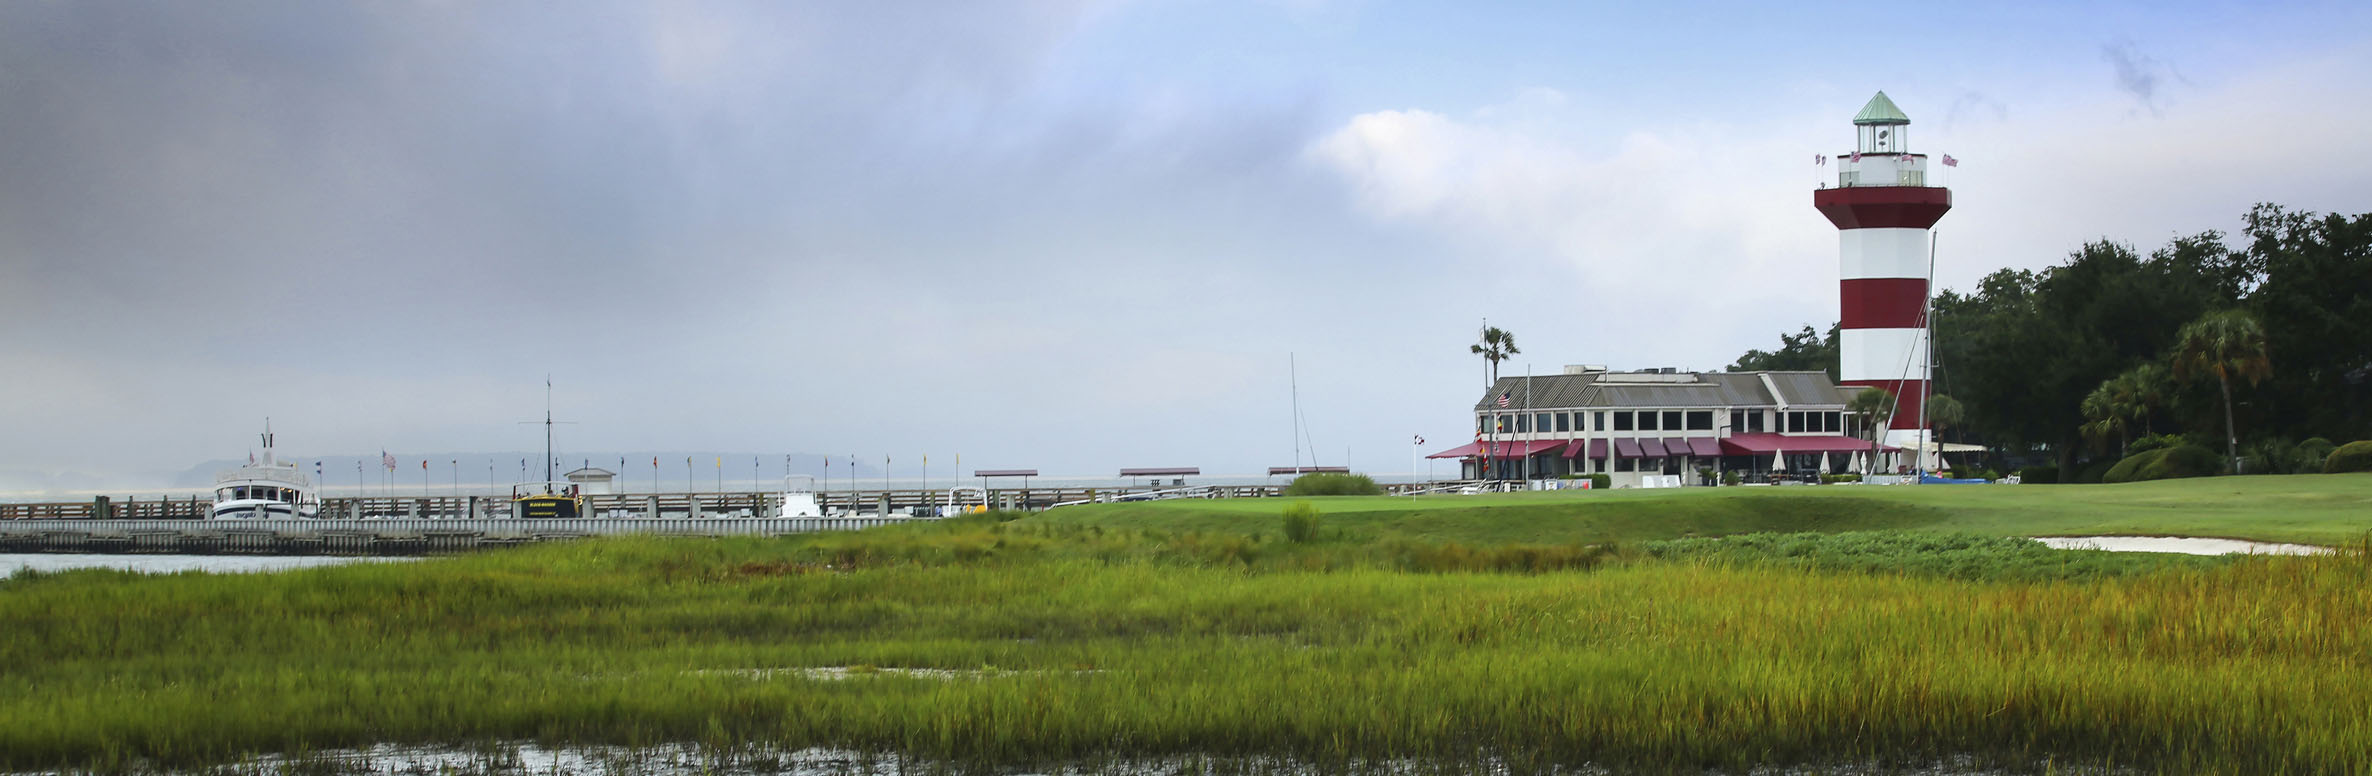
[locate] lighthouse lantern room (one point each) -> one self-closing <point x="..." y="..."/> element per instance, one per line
<point x="1885" y="212"/>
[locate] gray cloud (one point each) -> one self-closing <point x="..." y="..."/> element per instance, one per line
<point x="2138" y="75"/>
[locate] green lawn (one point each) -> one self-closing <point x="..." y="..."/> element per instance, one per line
<point x="2312" y="509"/>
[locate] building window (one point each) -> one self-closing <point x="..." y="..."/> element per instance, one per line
<point x="1564" y="422"/>
<point x="1754" y="420"/>
<point x="1834" y="421"/>
<point x="1523" y="424"/>
<point x="1647" y="421"/>
<point x="1622" y="421"/>
<point x="1626" y="464"/>
<point x="1482" y="424"/>
<point x="1601" y="421"/>
<point x="1700" y="420"/>
<point x="1671" y="420"/>
<point x="1540" y="422"/>
<point x="1795" y="422"/>
<point x="1506" y="424"/>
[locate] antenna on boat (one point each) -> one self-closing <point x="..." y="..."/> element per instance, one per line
<point x="549" y="461"/>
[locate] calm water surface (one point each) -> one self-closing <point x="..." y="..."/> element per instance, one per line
<point x="169" y="564"/>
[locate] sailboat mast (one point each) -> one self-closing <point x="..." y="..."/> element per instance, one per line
<point x="1927" y="372"/>
<point x="1293" y="378"/>
<point x="547" y="433"/>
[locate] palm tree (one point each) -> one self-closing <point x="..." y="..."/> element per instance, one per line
<point x="1496" y="346"/>
<point x="2105" y="408"/>
<point x="1944" y="412"/>
<point x="2226" y="344"/>
<point x="1875" y="405"/>
<point x="2151" y="386"/>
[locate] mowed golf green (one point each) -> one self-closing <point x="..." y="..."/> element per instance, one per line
<point x="2309" y="509"/>
<point x="1527" y="632"/>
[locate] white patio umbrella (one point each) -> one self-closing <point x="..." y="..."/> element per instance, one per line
<point x="1856" y="461"/>
<point x="1779" y="460"/>
<point x="1828" y="465"/>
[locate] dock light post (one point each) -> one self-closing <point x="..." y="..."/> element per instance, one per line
<point x="688" y="486"/>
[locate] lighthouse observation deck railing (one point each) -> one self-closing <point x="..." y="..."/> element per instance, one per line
<point x="1847" y="179"/>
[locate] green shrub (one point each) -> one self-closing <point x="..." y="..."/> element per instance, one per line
<point x="2351" y="457"/>
<point x="1601" y="481"/>
<point x="2125" y="470"/>
<point x="1301" y="521"/>
<point x="1832" y="479"/>
<point x="1730" y="477"/>
<point x="2147" y="442"/>
<point x="2168" y="463"/>
<point x="2310" y="454"/>
<point x="2039" y="475"/>
<point x="2091" y="472"/>
<point x="1333" y="484"/>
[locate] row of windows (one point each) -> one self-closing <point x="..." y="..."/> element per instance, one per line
<point x="1741" y="421"/>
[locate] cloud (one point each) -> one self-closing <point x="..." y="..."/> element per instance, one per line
<point x="1624" y="234"/>
<point x="2138" y="75"/>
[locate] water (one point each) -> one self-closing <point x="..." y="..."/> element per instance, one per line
<point x="2179" y="544"/>
<point x="169" y="564"/>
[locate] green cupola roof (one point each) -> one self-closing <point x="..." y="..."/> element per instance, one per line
<point x="1880" y="111"/>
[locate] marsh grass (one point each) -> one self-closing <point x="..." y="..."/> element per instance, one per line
<point x="994" y="643"/>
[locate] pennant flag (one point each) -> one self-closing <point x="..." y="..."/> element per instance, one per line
<point x="1420" y="440"/>
<point x="1950" y="162"/>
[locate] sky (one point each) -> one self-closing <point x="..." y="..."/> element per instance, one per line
<point x="1070" y="235"/>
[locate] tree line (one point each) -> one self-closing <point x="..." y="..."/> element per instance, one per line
<point x="2248" y="347"/>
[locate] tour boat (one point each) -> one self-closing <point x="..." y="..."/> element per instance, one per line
<point x="264" y="489"/>
<point x="547" y="499"/>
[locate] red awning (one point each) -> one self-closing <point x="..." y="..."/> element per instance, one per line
<point x="1704" y="447"/>
<point x="1501" y="449"/>
<point x="1596" y="449"/>
<point x="1627" y="448"/>
<point x="1765" y="442"/>
<point x="1653" y="448"/>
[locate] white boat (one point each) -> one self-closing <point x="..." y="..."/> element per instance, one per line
<point x="798" y="497"/>
<point x="264" y="489"/>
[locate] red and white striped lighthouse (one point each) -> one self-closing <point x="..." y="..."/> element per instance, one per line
<point x="1884" y="211"/>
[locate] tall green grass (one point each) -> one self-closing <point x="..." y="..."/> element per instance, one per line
<point x="1082" y="642"/>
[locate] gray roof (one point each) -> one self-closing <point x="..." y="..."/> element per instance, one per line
<point x="1702" y="389"/>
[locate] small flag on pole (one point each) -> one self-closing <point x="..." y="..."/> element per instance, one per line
<point x="1420" y="440"/>
<point x="1820" y="159"/>
<point x="389" y="460"/>
<point x="1950" y="162"/>
<point x="1503" y="399"/>
<point x="1857" y="157"/>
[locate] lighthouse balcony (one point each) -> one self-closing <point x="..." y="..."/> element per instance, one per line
<point x="1887" y="170"/>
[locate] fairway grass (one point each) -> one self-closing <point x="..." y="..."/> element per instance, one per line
<point x="1076" y="637"/>
<point x="2329" y="510"/>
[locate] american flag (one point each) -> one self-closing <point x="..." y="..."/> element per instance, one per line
<point x="1857" y="157"/>
<point x="1950" y="162"/>
<point x="387" y="460"/>
<point x="1502" y="399"/>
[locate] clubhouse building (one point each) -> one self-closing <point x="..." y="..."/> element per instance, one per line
<point x="1660" y="427"/>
